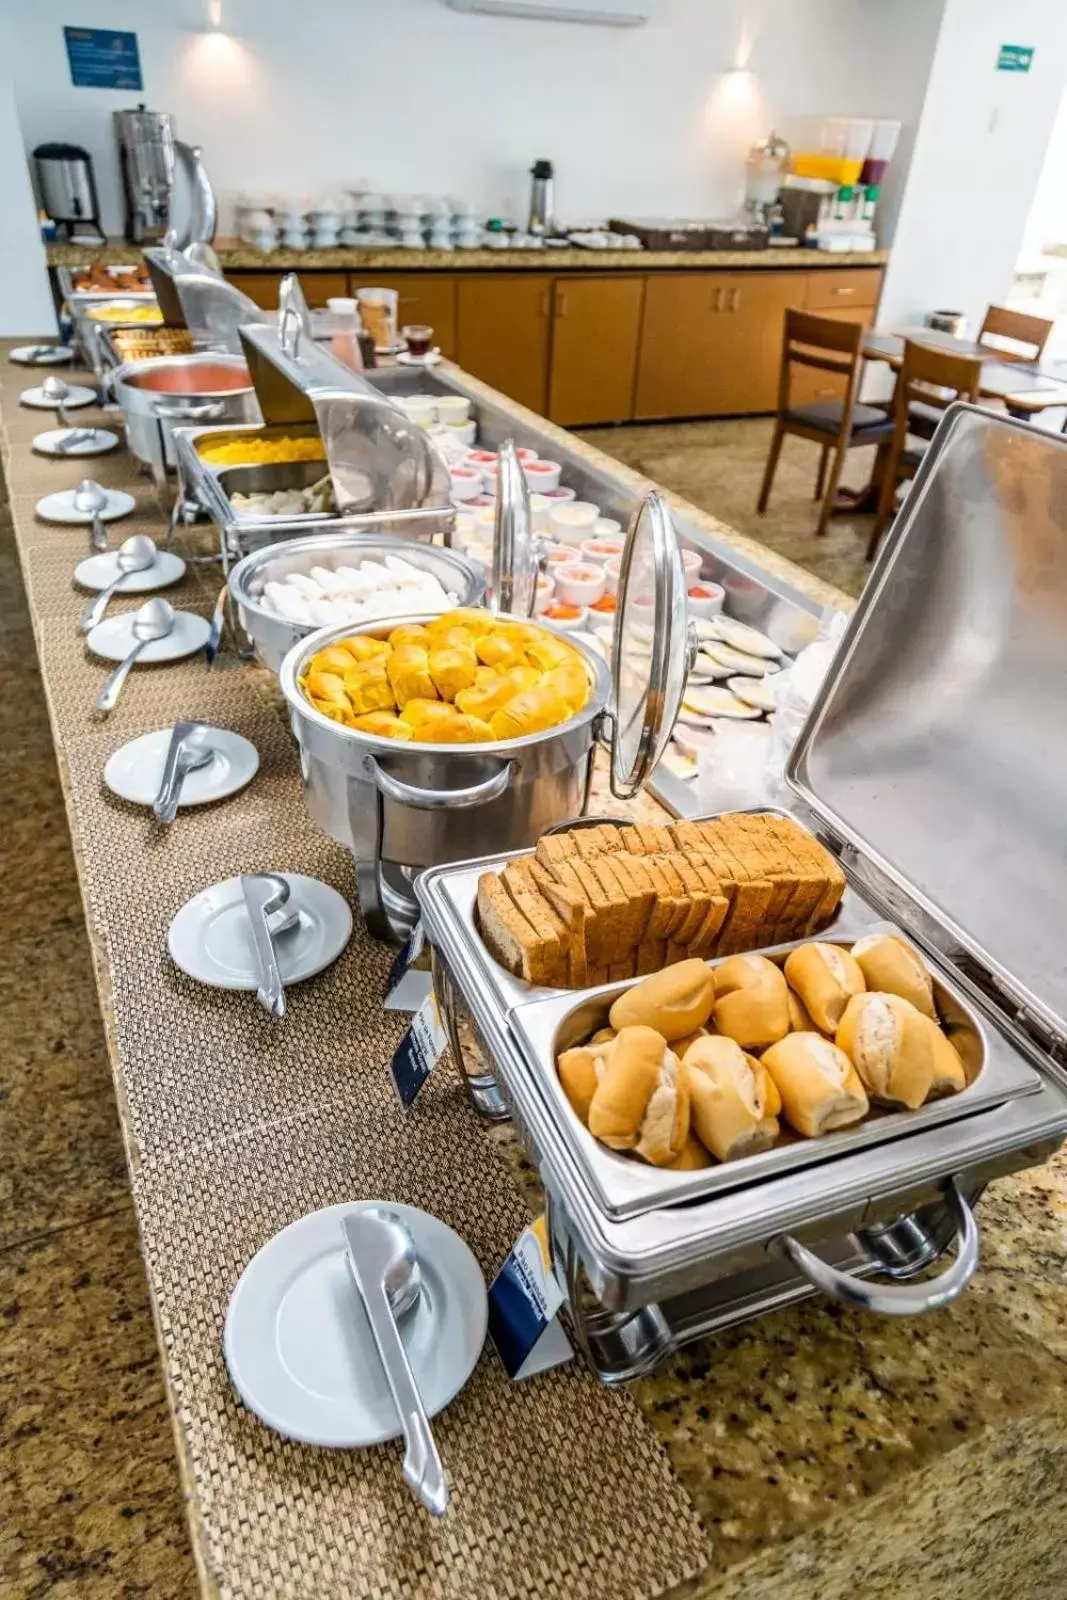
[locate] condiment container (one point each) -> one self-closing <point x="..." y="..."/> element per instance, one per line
<point x="573" y="523"/>
<point x="705" y="599"/>
<point x="579" y="584"/>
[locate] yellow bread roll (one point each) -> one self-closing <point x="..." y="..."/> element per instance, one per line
<point x="452" y="668"/>
<point x="580" y="1071"/>
<point x="825" y="978"/>
<point x="891" y="966"/>
<point x="424" y="716"/>
<point x="642" y="1100"/>
<point x="751" y="1001"/>
<point x="693" y="1156"/>
<point x="889" y="1045"/>
<point x="728" y="1099"/>
<point x="361" y="647"/>
<point x="461" y="730"/>
<point x="820" y="1088"/>
<point x="475" y="622"/>
<point x="369" y="691"/>
<point x="408" y="669"/>
<point x="382" y="723"/>
<point x="492" y="693"/>
<point x="602" y="1036"/>
<point x="680" y="1046"/>
<point x="335" y="658"/>
<point x="410" y="633"/>
<point x="799" y="1021"/>
<point x="675" y="1002"/>
<point x="532" y="711"/>
<point x="950" y="1075"/>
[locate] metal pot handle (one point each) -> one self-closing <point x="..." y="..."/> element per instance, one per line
<point x="202" y="411"/>
<point x="896" y="1300"/>
<point x="409" y="794"/>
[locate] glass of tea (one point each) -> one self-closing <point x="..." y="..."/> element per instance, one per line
<point x="418" y="338"/>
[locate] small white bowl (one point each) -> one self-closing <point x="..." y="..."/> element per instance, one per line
<point x="543" y="476"/>
<point x="705" y="599"/>
<point x="574" y="624"/>
<point x="608" y="528"/>
<point x="465" y="530"/>
<point x="602" y="621"/>
<point x="557" y="555"/>
<point x="466" y="482"/>
<point x="540" y="510"/>
<point x="453" y="408"/>
<point x="420" y="408"/>
<point x="546" y="590"/>
<point x="693" y="561"/>
<point x="481" y="459"/>
<point x="579" y="583"/>
<point x="524" y="454"/>
<point x="573" y="523"/>
<point x="601" y="550"/>
<point x="612" y="571"/>
<point x="560" y="495"/>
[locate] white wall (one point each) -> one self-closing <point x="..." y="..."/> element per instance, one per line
<point x="25" y="300"/>
<point x="414" y="97"/>
<point x="978" y="155"/>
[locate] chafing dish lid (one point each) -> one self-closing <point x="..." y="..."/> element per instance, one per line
<point x="514" y="586"/>
<point x="938" y="743"/>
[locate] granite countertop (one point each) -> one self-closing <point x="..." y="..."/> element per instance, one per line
<point x="240" y="257"/>
<point x="835" y="1455"/>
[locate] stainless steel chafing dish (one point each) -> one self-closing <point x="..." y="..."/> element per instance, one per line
<point x="402" y="807"/>
<point x="934" y="766"/>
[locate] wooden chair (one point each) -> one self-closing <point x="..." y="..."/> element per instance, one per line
<point x="1030" y="334"/>
<point x="837" y="426"/>
<point x="933" y="379"/>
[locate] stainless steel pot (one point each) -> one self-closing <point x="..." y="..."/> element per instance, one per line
<point x="401" y="807"/>
<point x="191" y="394"/>
<point x="274" y="636"/>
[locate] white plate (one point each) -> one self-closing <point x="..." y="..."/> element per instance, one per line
<point x="102" y="441"/>
<point x="114" y="639"/>
<point x="717" y="702"/>
<point x="742" y="637"/>
<point x="135" y="771"/>
<point x="406" y="359"/>
<point x="753" y="691"/>
<point x="210" y="938"/>
<point x="298" y="1346"/>
<point x="60" y="507"/>
<point x="76" y="395"/>
<point x="96" y="572"/>
<point x="57" y="355"/>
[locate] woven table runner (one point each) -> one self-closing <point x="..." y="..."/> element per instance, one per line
<point x="237" y="1126"/>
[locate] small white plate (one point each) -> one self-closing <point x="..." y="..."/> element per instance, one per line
<point x="135" y="771"/>
<point x="96" y="572"/>
<point x="210" y="938"/>
<point x="102" y="440"/>
<point x="299" y="1348"/>
<point x="114" y="639"/>
<point x="60" y="507"/>
<point x="431" y="359"/>
<point x="76" y="395"/>
<point x="52" y="355"/>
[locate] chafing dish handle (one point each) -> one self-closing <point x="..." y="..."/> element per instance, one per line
<point x="896" y="1300"/>
<point x="192" y="411"/>
<point x="409" y="794"/>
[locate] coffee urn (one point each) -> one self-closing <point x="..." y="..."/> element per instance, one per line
<point x="146" y="156"/>
<point x="540" y="220"/>
<point x="67" y="187"/>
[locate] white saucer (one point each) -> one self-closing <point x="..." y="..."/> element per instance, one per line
<point x="135" y="771"/>
<point x="432" y="359"/>
<point x="114" y="639"/>
<point x="210" y="938"/>
<point x="60" y="507"/>
<point x="96" y="572"/>
<point x="297" y="1342"/>
<point x="101" y="442"/>
<point x="76" y="395"/>
<point x="57" y="355"/>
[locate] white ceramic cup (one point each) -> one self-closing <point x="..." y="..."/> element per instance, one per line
<point x="453" y="408"/>
<point x="573" y="523"/>
<point x="578" y="583"/>
<point x="543" y="476"/>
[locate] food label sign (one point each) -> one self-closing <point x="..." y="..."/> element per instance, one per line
<point x="101" y="58"/>
<point x="524" y="1298"/>
<point x="418" y="1052"/>
<point x="1015" y="58"/>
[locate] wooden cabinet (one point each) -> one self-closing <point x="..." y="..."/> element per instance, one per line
<point x="262" y="287"/>
<point x="596" y="328"/>
<point x="711" y="342"/>
<point x="839" y="288"/>
<point x="502" y="329"/>
<point x="428" y="297"/>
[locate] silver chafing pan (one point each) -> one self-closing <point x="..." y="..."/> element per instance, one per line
<point x="934" y="766"/>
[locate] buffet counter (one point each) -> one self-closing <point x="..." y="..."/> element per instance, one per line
<point x="825" y="1454"/>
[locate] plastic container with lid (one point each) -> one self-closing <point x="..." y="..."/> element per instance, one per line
<point x="344" y="339"/>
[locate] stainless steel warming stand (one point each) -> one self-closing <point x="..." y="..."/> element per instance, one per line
<point x="934" y="766"/>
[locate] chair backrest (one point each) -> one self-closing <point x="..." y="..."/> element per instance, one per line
<point x="1031" y="334"/>
<point x="933" y="377"/>
<point x="822" y="342"/>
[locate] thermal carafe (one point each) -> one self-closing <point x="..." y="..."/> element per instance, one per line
<point x="146" y="156"/>
<point x="66" y="186"/>
<point x="540" y="219"/>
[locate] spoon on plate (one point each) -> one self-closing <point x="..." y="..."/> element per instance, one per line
<point x="385" y="1268"/>
<point x="56" y="391"/>
<point x="154" y="620"/>
<point x="91" y="498"/>
<point x="135" y="554"/>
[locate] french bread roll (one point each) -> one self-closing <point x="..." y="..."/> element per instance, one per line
<point x="680" y="1046"/>
<point x="825" y="977"/>
<point x="950" y="1075"/>
<point x="890" y="1044"/>
<point x="799" y="1021"/>
<point x="819" y="1086"/>
<point x="602" y="1036"/>
<point x="891" y="966"/>
<point x="580" y="1071"/>
<point x="642" y="1100"/>
<point x="751" y="1001"/>
<point x="674" y="1002"/>
<point x="693" y="1156"/>
<point x="728" y="1099"/>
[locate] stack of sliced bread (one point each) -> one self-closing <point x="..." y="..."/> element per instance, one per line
<point x="594" y="905"/>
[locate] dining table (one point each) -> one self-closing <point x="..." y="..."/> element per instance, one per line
<point x="1026" y="388"/>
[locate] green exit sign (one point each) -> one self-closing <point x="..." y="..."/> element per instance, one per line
<point x="1015" y="58"/>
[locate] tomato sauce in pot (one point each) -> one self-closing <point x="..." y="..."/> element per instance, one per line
<point x="199" y="377"/>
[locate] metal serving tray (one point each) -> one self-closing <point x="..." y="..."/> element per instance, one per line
<point x="265" y="478"/>
<point x="65" y="277"/>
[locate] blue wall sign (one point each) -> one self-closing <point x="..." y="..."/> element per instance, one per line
<point x="1015" y="58"/>
<point x="100" y="58"/>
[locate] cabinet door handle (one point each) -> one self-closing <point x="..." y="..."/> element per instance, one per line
<point x="561" y="303"/>
<point x="735" y="299"/>
<point x="716" y="304"/>
<point x="844" y="290"/>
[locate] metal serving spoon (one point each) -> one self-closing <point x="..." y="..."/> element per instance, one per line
<point x="385" y="1269"/>
<point x="55" y="390"/>
<point x="153" y="621"/>
<point x="187" y="752"/>
<point x="90" y="497"/>
<point x="135" y="554"/>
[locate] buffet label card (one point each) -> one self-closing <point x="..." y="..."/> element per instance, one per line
<point x="418" y="1052"/>
<point x="407" y="990"/>
<point x="524" y="1298"/>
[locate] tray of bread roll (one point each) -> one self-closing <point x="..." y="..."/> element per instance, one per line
<point x="707" y="1005"/>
